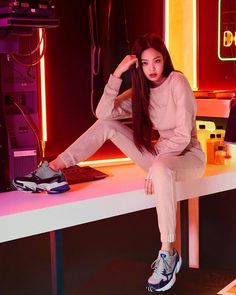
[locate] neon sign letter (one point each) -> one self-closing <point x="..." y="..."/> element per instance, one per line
<point x="229" y="38"/>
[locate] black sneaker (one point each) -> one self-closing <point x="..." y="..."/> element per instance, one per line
<point x="165" y="269"/>
<point x="42" y="179"/>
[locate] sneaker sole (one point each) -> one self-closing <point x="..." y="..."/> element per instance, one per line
<point x="50" y="188"/>
<point x="171" y="282"/>
<point x="24" y="188"/>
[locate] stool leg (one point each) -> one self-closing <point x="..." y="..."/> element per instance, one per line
<point x="193" y="215"/>
<point x="184" y="232"/>
<point x="57" y="274"/>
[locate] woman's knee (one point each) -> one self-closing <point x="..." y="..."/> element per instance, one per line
<point x="110" y="124"/>
<point x="107" y="127"/>
<point x="162" y="166"/>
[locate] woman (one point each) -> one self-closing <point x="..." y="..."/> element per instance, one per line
<point x="160" y="99"/>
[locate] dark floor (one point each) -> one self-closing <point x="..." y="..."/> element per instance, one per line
<point x="113" y="256"/>
<point x="123" y="278"/>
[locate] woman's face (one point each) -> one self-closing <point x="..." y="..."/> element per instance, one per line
<point x="153" y="64"/>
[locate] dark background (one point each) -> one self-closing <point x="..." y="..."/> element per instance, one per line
<point x="68" y="70"/>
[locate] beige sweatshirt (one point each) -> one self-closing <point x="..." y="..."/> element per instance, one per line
<point x="172" y="112"/>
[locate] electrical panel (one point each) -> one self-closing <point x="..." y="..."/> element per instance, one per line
<point x="23" y="25"/>
<point x="20" y="118"/>
<point x="22" y="16"/>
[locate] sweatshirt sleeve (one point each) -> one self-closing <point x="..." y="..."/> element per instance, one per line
<point x="112" y="105"/>
<point x="185" y="105"/>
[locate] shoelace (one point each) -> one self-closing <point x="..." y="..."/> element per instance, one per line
<point x="33" y="173"/>
<point x="160" y="266"/>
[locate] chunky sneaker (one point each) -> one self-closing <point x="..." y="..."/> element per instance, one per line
<point x="42" y="179"/>
<point x="165" y="269"/>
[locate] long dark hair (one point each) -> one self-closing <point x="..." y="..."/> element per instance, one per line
<point x="142" y="125"/>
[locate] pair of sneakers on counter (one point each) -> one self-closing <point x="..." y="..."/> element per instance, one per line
<point x="165" y="267"/>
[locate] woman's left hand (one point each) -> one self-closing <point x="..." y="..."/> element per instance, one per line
<point x="148" y="186"/>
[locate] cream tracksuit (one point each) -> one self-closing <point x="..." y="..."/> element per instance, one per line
<point x="179" y="156"/>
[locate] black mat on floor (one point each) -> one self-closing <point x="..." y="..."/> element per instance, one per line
<point x="123" y="278"/>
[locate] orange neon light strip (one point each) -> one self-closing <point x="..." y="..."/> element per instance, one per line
<point x="43" y="90"/>
<point x="106" y="162"/>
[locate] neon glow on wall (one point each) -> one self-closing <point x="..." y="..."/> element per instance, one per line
<point x="178" y="33"/>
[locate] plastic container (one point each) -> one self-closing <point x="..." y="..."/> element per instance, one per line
<point x="203" y="134"/>
<point x="219" y="141"/>
<point x="211" y="126"/>
<point x="211" y="149"/>
<point x="220" y="130"/>
<point x="220" y="155"/>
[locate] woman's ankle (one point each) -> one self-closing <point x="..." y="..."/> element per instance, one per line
<point x="56" y="165"/>
<point x="168" y="247"/>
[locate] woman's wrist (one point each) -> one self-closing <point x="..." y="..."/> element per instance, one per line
<point x="117" y="74"/>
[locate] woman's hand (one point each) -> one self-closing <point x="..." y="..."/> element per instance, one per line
<point x="148" y="184"/>
<point x="125" y="64"/>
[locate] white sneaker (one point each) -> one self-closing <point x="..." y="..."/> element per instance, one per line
<point x="42" y="179"/>
<point x="165" y="268"/>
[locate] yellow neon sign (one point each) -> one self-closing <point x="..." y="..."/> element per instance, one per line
<point x="226" y="30"/>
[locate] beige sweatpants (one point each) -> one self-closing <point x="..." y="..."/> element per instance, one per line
<point x="163" y="169"/>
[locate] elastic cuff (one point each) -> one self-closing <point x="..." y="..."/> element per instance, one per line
<point x="168" y="238"/>
<point x="114" y="82"/>
<point x="67" y="160"/>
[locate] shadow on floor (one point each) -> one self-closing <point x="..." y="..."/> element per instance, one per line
<point x="129" y="278"/>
